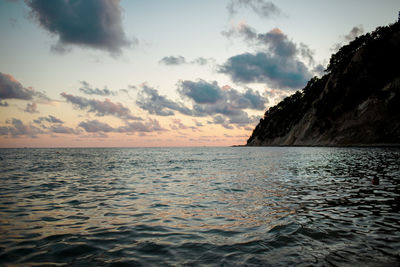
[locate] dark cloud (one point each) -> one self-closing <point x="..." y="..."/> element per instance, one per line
<point x="150" y="100"/>
<point x="12" y="89"/>
<point x="264" y="68"/>
<point x="277" y="63"/>
<point x="17" y="128"/>
<point x="207" y="99"/>
<point x="89" y="90"/>
<point x="173" y="60"/>
<point x="221" y="120"/>
<point x="95" y="126"/>
<point x="31" y="108"/>
<point x="229" y="105"/>
<point x="353" y="34"/>
<point x="275" y="41"/>
<point x="89" y="23"/>
<point x="201" y="92"/>
<point x="100" y="108"/>
<point x="264" y="9"/>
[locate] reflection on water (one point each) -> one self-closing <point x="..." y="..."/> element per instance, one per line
<point x="232" y="206"/>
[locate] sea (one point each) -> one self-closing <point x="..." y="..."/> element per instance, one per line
<point x="223" y="206"/>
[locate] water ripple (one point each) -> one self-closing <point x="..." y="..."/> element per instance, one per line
<point x="200" y="206"/>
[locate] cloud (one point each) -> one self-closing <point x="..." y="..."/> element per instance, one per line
<point x="201" y="91"/>
<point x="178" y="125"/>
<point x="207" y="99"/>
<point x="149" y="126"/>
<point x="49" y="118"/>
<point x="95" y="126"/>
<point x="264" y="68"/>
<point x="89" y="90"/>
<point x="31" y="108"/>
<point x="319" y="70"/>
<point x="222" y="102"/>
<point x="54" y="125"/>
<point x="197" y="123"/>
<point x="100" y="108"/>
<point x="150" y="100"/>
<point x="88" y="23"/>
<point x="17" y="128"/>
<point x="353" y="34"/>
<point x="264" y="9"/>
<point x="180" y="60"/>
<point x="173" y="60"/>
<point x="3" y="104"/>
<point x="277" y="62"/>
<point x="222" y="121"/>
<point x="61" y="129"/>
<point x="10" y="88"/>
<point x="200" y="61"/>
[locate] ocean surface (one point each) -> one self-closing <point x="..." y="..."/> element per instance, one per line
<point x="247" y="206"/>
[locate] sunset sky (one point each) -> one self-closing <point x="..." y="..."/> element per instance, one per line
<point x="105" y="73"/>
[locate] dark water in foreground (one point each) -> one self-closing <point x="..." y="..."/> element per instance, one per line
<point x="200" y="206"/>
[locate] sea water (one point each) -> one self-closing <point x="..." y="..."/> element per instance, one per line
<point x="249" y="206"/>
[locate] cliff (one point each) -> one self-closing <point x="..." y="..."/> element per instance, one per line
<point x="357" y="101"/>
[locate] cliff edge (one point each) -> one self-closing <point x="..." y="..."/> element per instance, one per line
<point x="356" y="103"/>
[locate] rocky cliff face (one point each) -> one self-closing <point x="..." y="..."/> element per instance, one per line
<point x="356" y="103"/>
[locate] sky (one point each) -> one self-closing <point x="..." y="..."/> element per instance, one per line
<point x="109" y="73"/>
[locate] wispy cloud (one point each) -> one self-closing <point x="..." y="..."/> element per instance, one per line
<point x="353" y="34"/>
<point x="180" y="60"/>
<point x="150" y="100"/>
<point x="89" y="90"/>
<point x="177" y="125"/>
<point x="100" y="108"/>
<point x="264" y="9"/>
<point x="173" y="60"/>
<point x="49" y="118"/>
<point x="206" y="99"/>
<point x="95" y="126"/>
